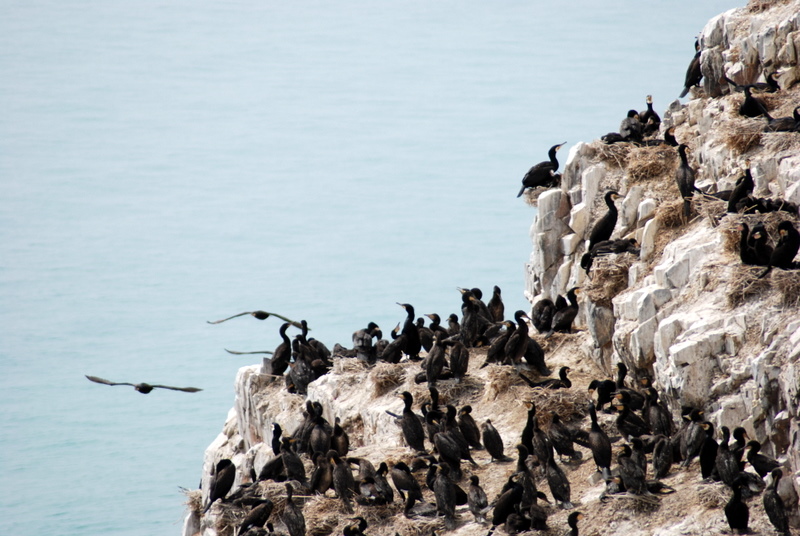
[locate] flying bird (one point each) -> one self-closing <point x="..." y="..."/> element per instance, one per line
<point x="260" y="315"/>
<point x="143" y="388"/>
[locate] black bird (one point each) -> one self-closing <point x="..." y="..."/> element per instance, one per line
<point x="445" y="493"/>
<point x="320" y="438"/>
<point x="562" y="382"/>
<point x="542" y="174"/>
<point x="744" y="187"/>
<point x="634" y="399"/>
<point x="770" y="86"/>
<point x="221" y="481"/>
<point x="604" y="227"/>
<point x="459" y="360"/>
<point x="693" y="438"/>
<point x="608" y="247"/>
<point x="477" y="500"/>
<point x="558" y="483"/>
<point x="600" y="445"/>
<point x="604" y="390"/>
<point x="412" y="341"/>
<point x="385" y="492"/>
<point x="561" y="438"/>
<point x="631" y="128"/>
<point x="741" y="438"/>
<point x="425" y="335"/>
<point x="736" y="511"/>
<point x="257" y="516"/>
<point x="693" y="72"/>
<point x="293" y="516"/>
<point x="144" y="388"/>
<point x="562" y="320"/>
<point x="752" y="106"/>
<point x="629" y="424"/>
<point x="340" y="441"/>
<point x="495" y="306"/>
<point x="773" y="505"/>
<point x="709" y="451"/>
<point x="759" y="245"/>
<point x="649" y="118"/>
<point x="469" y="428"/>
<point x="746" y="253"/>
<point x="276" y="438"/>
<point x="784" y="124"/>
<point x="322" y="475"/>
<point x="403" y="480"/>
<point x="657" y="417"/>
<point x="436" y="324"/>
<point x="507" y="501"/>
<point x="761" y="463"/>
<point x="497" y="348"/>
<point x="259" y="315"/>
<point x="343" y="481"/>
<point x="633" y="476"/>
<point x="292" y="464"/>
<point x="669" y="137"/>
<point x="453" y="327"/>
<point x="726" y="464"/>
<point x="518" y="341"/>
<point x="786" y="249"/>
<point x="493" y="442"/>
<point x="662" y="457"/>
<point x="684" y="177"/>
<point x="542" y="315"/>
<point x="572" y="521"/>
<point x="362" y="342"/>
<point x="435" y="362"/>
<point x="411" y="425"/>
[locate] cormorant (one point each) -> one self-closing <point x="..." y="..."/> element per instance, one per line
<point x="282" y="353"/>
<point x="726" y="465"/>
<point x="320" y="438"/>
<point x="445" y="493"/>
<point x="403" y="480"/>
<point x="572" y="521"/>
<point x="505" y="504"/>
<point x="563" y="318"/>
<point x="469" y="428"/>
<point x="649" y="118"/>
<point x="411" y="425"/>
<point x="453" y="327"/>
<point x="497" y="348"/>
<point x="362" y="342"/>
<point x="276" y="438"/>
<point x="786" y="249"/>
<point x="744" y="187"/>
<point x="449" y="452"/>
<point x="634" y="399"/>
<point x="752" y="106"/>
<point x="784" y="124"/>
<point x="741" y="438"/>
<point x="517" y="343"/>
<point x="773" y="505"/>
<point x="257" y="516"/>
<point x="770" y="86"/>
<point x="604" y="390"/>
<point x="542" y="174"/>
<point x="693" y="72"/>
<point x="343" y="481"/>
<point x="493" y="442"/>
<point x="631" y="128"/>
<point x="607" y="247"/>
<point x="662" y="457"/>
<point x="658" y="418"/>
<point x="221" y="481"/>
<point x="708" y="451"/>
<point x="669" y="137"/>
<point x="143" y="388"/>
<point x="459" y="360"/>
<point x="633" y="477"/>
<point x="384" y="489"/>
<point x="477" y="500"/>
<point x="293" y="516"/>
<point x="435" y="362"/>
<point x="495" y="306"/>
<point x="736" y="511"/>
<point x="322" y="475"/>
<point x="561" y="438"/>
<point x="412" y="342"/>
<point x="534" y="357"/>
<point x="629" y="424"/>
<point x="436" y="324"/>
<point x="292" y="464"/>
<point x="604" y="227"/>
<point x="340" y="441"/>
<point x="259" y="315"/>
<point x="761" y="463"/>
<point x="542" y="315"/>
<point x="684" y="177"/>
<point x="558" y="482"/>
<point x="600" y="445"/>
<point x="693" y="438"/>
<point x="562" y="382"/>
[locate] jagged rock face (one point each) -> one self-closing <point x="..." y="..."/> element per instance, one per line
<point x="674" y="322"/>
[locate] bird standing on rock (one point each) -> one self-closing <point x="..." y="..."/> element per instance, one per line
<point x="543" y="173"/>
<point x="684" y="177"/>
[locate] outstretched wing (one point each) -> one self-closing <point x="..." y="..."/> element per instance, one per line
<point x="184" y="389"/>
<point x="226" y="319"/>
<point x="106" y="382"/>
<point x="247" y="353"/>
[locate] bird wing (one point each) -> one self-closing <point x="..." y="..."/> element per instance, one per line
<point x="226" y="319"/>
<point x="106" y="382"/>
<point x="185" y="389"/>
<point x="292" y="322"/>
<point x="247" y="353"/>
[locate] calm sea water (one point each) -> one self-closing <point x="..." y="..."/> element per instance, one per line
<point x="167" y="163"/>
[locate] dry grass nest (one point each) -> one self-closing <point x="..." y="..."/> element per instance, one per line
<point x="741" y="135"/>
<point x="568" y="404"/>
<point x="531" y="195"/>
<point x="194" y="500"/>
<point x="788" y="284"/>
<point x="615" y="154"/>
<point x="710" y="208"/>
<point x="778" y="142"/>
<point x="385" y="377"/>
<point x="609" y="277"/>
<point x="743" y="283"/>
<point x="644" y="163"/>
<point x="731" y="235"/>
<point x="670" y="214"/>
<point x="501" y="379"/>
<point x="348" y="365"/>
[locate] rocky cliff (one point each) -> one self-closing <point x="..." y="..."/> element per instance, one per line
<point x="684" y="312"/>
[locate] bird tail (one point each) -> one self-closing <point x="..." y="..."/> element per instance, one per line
<point x="684" y="92"/>
<point x="521" y="190"/>
<point x="764" y="273"/>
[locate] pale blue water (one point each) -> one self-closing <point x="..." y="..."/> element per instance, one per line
<point x="167" y="163"/>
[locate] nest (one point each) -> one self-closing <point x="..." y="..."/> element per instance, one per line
<point x="778" y="142"/>
<point x="385" y="377"/>
<point x="615" y="154"/>
<point x="744" y="283"/>
<point x="742" y="135"/>
<point x="456" y="393"/>
<point x="609" y="277"/>
<point x="500" y="379"/>
<point x="670" y="214"/>
<point x="531" y="195"/>
<point x="788" y="284"/>
<point x="348" y="365"/>
<point x="194" y="501"/>
<point x="644" y="163"/>
<point x="710" y="208"/>
<point x="568" y="404"/>
<point x="713" y="496"/>
<point x="731" y="236"/>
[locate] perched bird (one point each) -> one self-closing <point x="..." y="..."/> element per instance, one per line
<point x="604" y="227"/>
<point x="221" y="481"/>
<point x="343" y="481"/>
<point x="477" y="500"/>
<point x="633" y="476"/>
<point x="411" y="425"/>
<point x="752" y="106"/>
<point x="561" y="438"/>
<point x="562" y="382"/>
<point x="542" y="315"/>
<point x="293" y="516"/>
<point x="784" y="124"/>
<point x="736" y="511"/>
<point x="684" y="177"/>
<point x="708" y="451"/>
<point x="572" y="522"/>
<point x="600" y="445"/>
<point x="493" y="442"/>
<point x="726" y="464"/>
<point x="542" y="174"/>
<point x="445" y="493"/>
<point x="143" y="388"/>
<point x="786" y="249"/>
<point x="662" y="457"/>
<point x="693" y="72"/>
<point x="412" y="345"/>
<point x="322" y="475"/>
<point x="517" y="343"/>
<point x="761" y="463"/>
<point x="773" y="505"/>
<point x="563" y="318"/>
<point x="649" y="118"/>
<point x="631" y="128"/>
<point x="340" y="441"/>
<point x="495" y="306"/>
<point x="404" y="481"/>
<point x="558" y="483"/>
<point x="469" y="428"/>
<point x="604" y="390"/>
<point x="257" y="516"/>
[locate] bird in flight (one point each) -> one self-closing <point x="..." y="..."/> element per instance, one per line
<point x="143" y="388"/>
<point x="261" y="315"/>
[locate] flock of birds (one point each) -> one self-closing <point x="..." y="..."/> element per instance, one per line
<point x="443" y="436"/>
